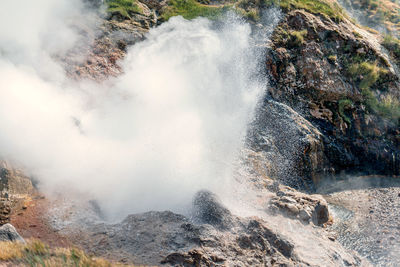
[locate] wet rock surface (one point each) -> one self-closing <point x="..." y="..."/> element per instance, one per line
<point x="212" y="236"/>
<point x="286" y="146"/>
<point x="312" y="76"/>
<point x="366" y="213"/>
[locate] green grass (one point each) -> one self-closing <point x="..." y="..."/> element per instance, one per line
<point x="296" y="38"/>
<point x="343" y="105"/>
<point x="366" y="73"/>
<point x="36" y="253"/>
<point x="393" y="45"/>
<point x="382" y="13"/>
<point x="123" y="8"/>
<point x="190" y="9"/>
<point x="332" y="59"/>
<point x="289" y="38"/>
<point x="388" y="107"/>
<point x="319" y="7"/>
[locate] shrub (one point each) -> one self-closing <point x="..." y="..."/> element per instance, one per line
<point x="329" y="9"/>
<point x="190" y="9"/>
<point x="367" y="73"/>
<point x="332" y="58"/>
<point x="343" y="105"/>
<point x="123" y="8"/>
<point x="393" y="45"/>
<point x="253" y="15"/>
<point x="296" y="38"/>
<point x="36" y="253"/>
<point x="388" y="108"/>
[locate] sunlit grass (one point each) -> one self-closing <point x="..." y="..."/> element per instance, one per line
<point x="36" y="253"/>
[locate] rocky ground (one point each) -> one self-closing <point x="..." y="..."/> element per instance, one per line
<point x="367" y="213"/>
<point x="212" y="234"/>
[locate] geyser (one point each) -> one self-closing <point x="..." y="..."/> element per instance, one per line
<point x="171" y="125"/>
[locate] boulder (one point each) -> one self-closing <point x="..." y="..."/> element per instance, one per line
<point x="208" y="209"/>
<point x="304" y="207"/>
<point x="9" y="233"/>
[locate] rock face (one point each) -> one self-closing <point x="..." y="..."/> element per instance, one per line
<point x="14" y="188"/>
<point x="5" y="211"/>
<point x="212" y="237"/>
<point x="290" y="145"/>
<point x="13" y="181"/>
<point x="8" y="233"/>
<point x="313" y="66"/>
<point x="208" y="209"/>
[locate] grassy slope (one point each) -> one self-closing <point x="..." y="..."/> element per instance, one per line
<point x="384" y="13"/>
<point x="36" y="253"/>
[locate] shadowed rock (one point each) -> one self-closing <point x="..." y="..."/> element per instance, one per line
<point x="208" y="209"/>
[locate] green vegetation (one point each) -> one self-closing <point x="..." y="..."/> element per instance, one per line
<point x="190" y="9"/>
<point x="332" y="58"/>
<point x="393" y="45"/>
<point x="320" y="7"/>
<point x="343" y="105"/>
<point x="123" y="8"/>
<point x="367" y="73"/>
<point x="36" y="253"/>
<point x="388" y="107"/>
<point x="252" y="14"/>
<point x="296" y="38"/>
<point x="291" y="39"/>
<point x="357" y="35"/>
<point x="379" y="13"/>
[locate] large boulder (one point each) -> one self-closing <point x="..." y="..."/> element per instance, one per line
<point x="286" y="146"/>
<point x="208" y="209"/>
<point x="9" y="233"/>
<point x="307" y="208"/>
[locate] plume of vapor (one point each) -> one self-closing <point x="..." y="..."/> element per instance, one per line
<point x="170" y="125"/>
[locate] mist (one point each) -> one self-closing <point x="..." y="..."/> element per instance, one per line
<point x="171" y="125"/>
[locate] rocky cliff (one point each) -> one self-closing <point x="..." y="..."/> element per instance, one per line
<point x="337" y="76"/>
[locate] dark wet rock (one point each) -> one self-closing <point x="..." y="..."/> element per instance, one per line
<point x="8" y="233"/>
<point x="286" y="147"/>
<point x="208" y="209"/>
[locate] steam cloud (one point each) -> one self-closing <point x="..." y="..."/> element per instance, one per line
<point x="172" y="124"/>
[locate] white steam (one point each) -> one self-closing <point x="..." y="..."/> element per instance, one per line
<point x="171" y="125"/>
